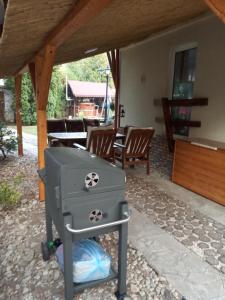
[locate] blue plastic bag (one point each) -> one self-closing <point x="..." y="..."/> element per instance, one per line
<point x="90" y="261"/>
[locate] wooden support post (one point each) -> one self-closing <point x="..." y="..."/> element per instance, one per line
<point x="117" y="102"/>
<point x="43" y="72"/>
<point x="168" y="123"/>
<point x="18" y="84"/>
<point x="114" y="62"/>
<point x="218" y="7"/>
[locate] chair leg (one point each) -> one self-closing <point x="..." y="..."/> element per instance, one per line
<point x="148" y="167"/>
<point x="132" y="166"/>
<point x="123" y="163"/>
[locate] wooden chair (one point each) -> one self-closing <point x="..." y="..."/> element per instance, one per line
<point x="55" y="126"/>
<point x="136" y="148"/>
<point x="90" y="122"/>
<point x="100" y="141"/>
<point x="74" y="125"/>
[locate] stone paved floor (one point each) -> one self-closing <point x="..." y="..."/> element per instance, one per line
<point x="23" y="274"/>
<point x="203" y="235"/>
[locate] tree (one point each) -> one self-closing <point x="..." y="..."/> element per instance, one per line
<point x="57" y="98"/>
<point x="87" y="69"/>
<point x="84" y="70"/>
<point x="27" y="99"/>
<point x="56" y="101"/>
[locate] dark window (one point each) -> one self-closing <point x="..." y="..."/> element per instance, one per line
<point x="183" y="84"/>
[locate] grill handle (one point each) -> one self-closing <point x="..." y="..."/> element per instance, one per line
<point x="122" y="221"/>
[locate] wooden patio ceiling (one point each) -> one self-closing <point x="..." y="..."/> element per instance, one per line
<point x="28" y="23"/>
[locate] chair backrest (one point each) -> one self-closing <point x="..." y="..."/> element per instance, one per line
<point x="90" y="122"/>
<point x="74" y="125"/>
<point x="138" y="141"/>
<point x="100" y="141"/>
<point x="56" y="126"/>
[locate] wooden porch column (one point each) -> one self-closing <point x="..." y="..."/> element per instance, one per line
<point x="43" y="73"/>
<point x="117" y="100"/>
<point x="114" y="62"/>
<point x="218" y="7"/>
<point x="18" y="84"/>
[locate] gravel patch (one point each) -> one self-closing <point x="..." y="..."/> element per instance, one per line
<point x="23" y="273"/>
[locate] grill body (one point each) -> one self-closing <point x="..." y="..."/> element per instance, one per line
<point x="84" y="198"/>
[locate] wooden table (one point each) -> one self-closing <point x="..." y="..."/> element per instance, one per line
<point x="199" y="165"/>
<point x="68" y="138"/>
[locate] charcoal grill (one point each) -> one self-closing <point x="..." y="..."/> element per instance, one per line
<point x="84" y="198"/>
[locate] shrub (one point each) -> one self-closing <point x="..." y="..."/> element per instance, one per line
<point x="8" y="140"/>
<point x="9" y="197"/>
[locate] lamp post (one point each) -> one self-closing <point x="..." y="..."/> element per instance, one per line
<point x="107" y="72"/>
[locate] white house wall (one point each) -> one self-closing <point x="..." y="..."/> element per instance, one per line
<point x="146" y="75"/>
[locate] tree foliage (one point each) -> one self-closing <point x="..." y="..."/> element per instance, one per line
<point x="56" y="98"/>
<point x="88" y="69"/>
<point x="84" y="70"/>
<point x="56" y="101"/>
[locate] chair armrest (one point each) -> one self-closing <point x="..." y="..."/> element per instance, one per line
<point x="79" y="146"/>
<point x="119" y="145"/>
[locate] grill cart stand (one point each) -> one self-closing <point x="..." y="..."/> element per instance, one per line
<point x="69" y="231"/>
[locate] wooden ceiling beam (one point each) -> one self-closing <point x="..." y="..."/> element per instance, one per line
<point x="80" y="14"/>
<point x="218" y="7"/>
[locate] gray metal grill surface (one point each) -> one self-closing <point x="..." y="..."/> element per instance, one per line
<point x="84" y="198"/>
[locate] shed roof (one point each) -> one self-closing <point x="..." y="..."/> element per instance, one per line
<point x="88" y="89"/>
<point x="28" y="23"/>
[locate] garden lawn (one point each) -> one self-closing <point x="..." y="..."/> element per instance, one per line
<point x="27" y="129"/>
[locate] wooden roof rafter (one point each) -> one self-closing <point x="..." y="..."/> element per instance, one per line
<point x="116" y="24"/>
<point x="82" y="12"/>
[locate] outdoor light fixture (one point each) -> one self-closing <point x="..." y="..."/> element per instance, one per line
<point x="122" y="111"/>
<point x="90" y="50"/>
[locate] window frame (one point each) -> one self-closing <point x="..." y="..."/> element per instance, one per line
<point x="173" y="52"/>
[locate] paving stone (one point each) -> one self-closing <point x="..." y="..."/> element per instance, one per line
<point x="204" y="238"/>
<point x="222" y="259"/>
<point x="187" y="242"/>
<point x="188" y="226"/>
<point x="178" y="234"/>
<point x="210" y="252"/>
<point x="216" y="245"/>
<point x="178" y="227"/>
<point x="203" y="245"/>
<point x="221" y="251"/>
<point x="211" y="260"/>
<point x="215" y="236"/>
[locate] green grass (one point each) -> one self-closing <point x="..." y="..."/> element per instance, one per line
<point x="27" y="129"/>
<point x="9" y="196"/>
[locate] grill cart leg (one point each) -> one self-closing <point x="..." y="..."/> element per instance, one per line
<point x="122" y="257"/>
<point x="68" y="260"/>
<point x="46" y="251"/>
<point x="48" y="225"/>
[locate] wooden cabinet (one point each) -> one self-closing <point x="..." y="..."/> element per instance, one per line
<point x="199" y="165"/>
